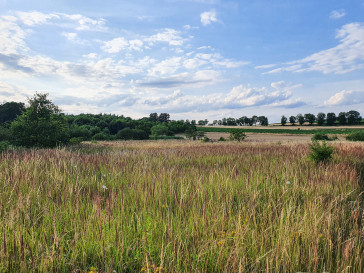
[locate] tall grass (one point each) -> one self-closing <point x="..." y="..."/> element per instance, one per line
<point x="181" y="207"/>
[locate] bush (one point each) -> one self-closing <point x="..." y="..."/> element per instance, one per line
<point x="100" y="136"/>
<point x="222" y="139"/>
<point x="320" y="152"/>
<point x="4" y="145"/>
<point x="356" y="136"/>
<point x="320" y="136"/>
<point x="237" y="134"/>
<point x="76" y="140"/>
<point x="205" y="139"/>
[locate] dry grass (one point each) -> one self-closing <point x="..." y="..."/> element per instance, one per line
<point x="179" y="206"/>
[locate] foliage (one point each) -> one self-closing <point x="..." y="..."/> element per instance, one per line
<point x="205" y="139"/>
<point x="319" y="136"/>
<point x="10" y="110"/>
<point x="159" y="130"/>
<point x="300" y="119"/>
<point x="292" y="120"/>
<point x="321" y="118"/>
<point x="5" y="134"/>
<point x="342" y="118"/>
<point x="356" y="136"/>
<point x="100" y="136"/>
<point x="40" y="125"/>
<point x="237" y="134"/>
<point x="310" y="118"/>
<point x="320" y="152"/>
<point x="4" y="145"/>
<point x="330" y="118"/>
<point x="75" y="140"/>
<point x="221" y="139"/>
<point x="283" y="120"/>
<point x="353" y="117"/>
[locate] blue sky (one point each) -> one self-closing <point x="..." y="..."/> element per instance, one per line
<point x="194" y="59"/>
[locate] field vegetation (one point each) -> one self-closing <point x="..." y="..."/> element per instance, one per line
<point x="181" y="206"/>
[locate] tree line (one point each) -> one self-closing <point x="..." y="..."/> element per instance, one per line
<point x="42" y="124"/>
<point x="343" y="118"/>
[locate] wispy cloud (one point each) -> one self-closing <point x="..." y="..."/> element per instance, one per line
<point x="337" y="14"/>
<point x="347" y="56"/>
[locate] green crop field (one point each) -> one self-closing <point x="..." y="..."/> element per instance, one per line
<point x="283" y="131"/>
<point x="180" y="206"/>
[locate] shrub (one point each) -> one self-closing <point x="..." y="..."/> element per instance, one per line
<point x="222" y="139"/>
<point x="356" y="136"/>
<point x="320" y="152"/>
<point x="320" y="136"/>
<point x="4" y="145"/>
<point x="205" y="139"/>
<point x="76" y="140"/>
<point x="100" y="136"/>
<point x="237" y="134"/>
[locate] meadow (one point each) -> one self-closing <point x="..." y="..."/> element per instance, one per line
<point x="181" y="206"/>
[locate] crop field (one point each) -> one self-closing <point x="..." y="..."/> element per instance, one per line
<point x="181" y="206"/>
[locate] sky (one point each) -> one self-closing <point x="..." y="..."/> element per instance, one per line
<point x="193" y="59"/>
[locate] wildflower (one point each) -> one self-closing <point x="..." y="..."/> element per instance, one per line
<point x="104" y="187"/>
<point x="164" y="206"/>
<point x="220" y="243"/>
<point x="93" y="270"/>
<point x="288" y="182"/>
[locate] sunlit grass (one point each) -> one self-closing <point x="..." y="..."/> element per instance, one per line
<point x="178" y="206"/>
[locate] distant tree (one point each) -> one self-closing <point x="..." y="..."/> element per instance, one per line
<point x="153" y="117"/>
<point x="193" y="122"/>
<point x="214" y="122"/>
<point x="330" y="118"/>
<point x="163" y="117"/>
<point x="159" y="130"/>
<point x="40" y="125"/>
<point x="206" y="121"/>
<point x="300" y="119"/>
<point x="342" y="118"/>
<point x="191" y="133"/>
<point x="321" y="118"/>
<point x="10" y="110"/>
<point x="201" y="122"/>
<point x="230" y="122"/>
<point x="283" y="120"/>
<point x="237" y="134"/>
<point x="353" y="117"/>
<point x="263" y="120"/>
<point x="292" y="120"/>
<point x="116" y="125"/>
<point x="254" y="119"/>
<point x="310" y="118"/>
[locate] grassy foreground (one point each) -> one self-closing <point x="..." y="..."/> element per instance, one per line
<point x="178" y="206"/>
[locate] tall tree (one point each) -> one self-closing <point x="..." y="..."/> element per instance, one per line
<point x="40" y="125"/>
<point x="300" y="119"/>
<point x="153" y="117"/>
<point x="342" y="118"/>
<point x="292" y="120"/>
<point x="163" y="117"/>
<point x="321" y="118"/>
<point x="310" y="118"/>
<point x="10" y="110"/>
<point x="283" y="120"/>
<point x="353" y="117"/>
<point x="330" y="118"/>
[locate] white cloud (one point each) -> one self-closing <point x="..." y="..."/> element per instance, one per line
<point x="208" y="17"/>
<point x="347" y="56"/>
<point x="115" y="45"/>
<point x="337" y="14"/>
<point x="346" y="97"/>
<point x="167" y="66"/>
<point x="11" y="37"/>
<point x="170" y="36"/>
<point x="70" y="36"/>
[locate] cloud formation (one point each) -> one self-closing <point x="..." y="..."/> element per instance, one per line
<point x="346" y="97"/>
<point x="337" y="14"/>
<point x="208" y="17"/>
<point x="347" y="56"/>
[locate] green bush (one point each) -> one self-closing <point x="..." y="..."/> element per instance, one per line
<point x="4" y="145"/>
<point x="100" y="136"/>
<point x="320" y="136"/>
<point x="222" y="139"/>
<point x="320" y="152"/>
<point x="76" y="140"/>
<point x="237" y="134"/>
<point x="356" y="136"/>
<point x="205" y="139"/>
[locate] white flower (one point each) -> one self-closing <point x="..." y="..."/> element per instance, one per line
<point x="104" y="187"/>
<point x="288" y="182"/>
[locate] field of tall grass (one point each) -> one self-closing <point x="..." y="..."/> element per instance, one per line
<point x="179" y="206"/>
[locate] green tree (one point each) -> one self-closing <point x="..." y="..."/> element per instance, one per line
<point x="40" y="125"/>
<point x="283" y="120"/>
<point x="292" y="120"/>
<point x="300" y="119"/>
<point x="310" y="118"/>
<point x="321" y="118"/>
<point x="10" y="110"/>
<point x="159" y="130"/>
<point x="330" y="118"/>
<point x="342" y="118"/>
<point x="353" y="117"/>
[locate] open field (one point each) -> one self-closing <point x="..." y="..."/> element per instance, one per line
<point x="182" y="206"/>
<point x="297" y="130"/>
